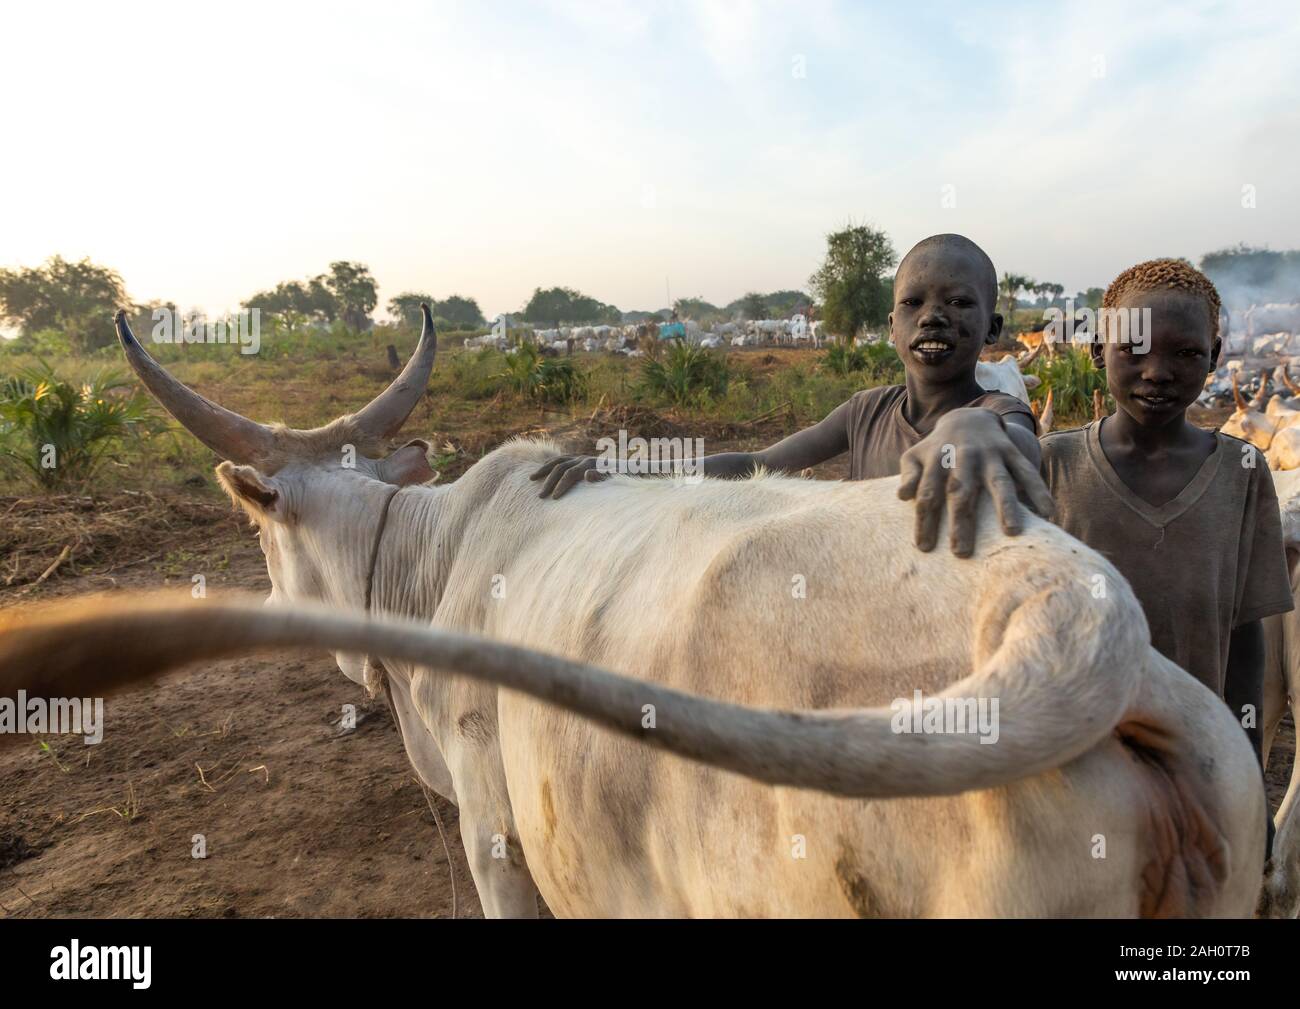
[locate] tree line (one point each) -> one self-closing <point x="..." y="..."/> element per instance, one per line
<point x="851" y="291"/>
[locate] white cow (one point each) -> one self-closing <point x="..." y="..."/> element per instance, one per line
<point x="1005" y="375"/>
<point x="1271" y="345"/>
<point x="685" y="592"/>
<point x="798" y="329"/>
<point x="767" y="329"/>
<point x="1281" y="893"/>
<point x="1251" y="420"/>
<point x="1272" y="318"/>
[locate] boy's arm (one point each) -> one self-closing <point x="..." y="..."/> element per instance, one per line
<point x="824" y="440"/>
<point x="1243" y="681"/>
<point x="969" y="451"/>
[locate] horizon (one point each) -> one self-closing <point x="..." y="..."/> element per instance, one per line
<point x="691" y="151"/>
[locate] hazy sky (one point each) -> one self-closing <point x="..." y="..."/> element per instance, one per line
<point x="489" y="148"/>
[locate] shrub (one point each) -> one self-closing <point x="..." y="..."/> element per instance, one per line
<point x="1071" y="376"/>
<point x="841" y="359"/>
<point x="559" y="380"/>
<point x="549" y="380"/>
<point x="685" y="374"/>
<point x="884" y="366"/>
<point x="59" y="432"/>
<point x="475" y="374"/>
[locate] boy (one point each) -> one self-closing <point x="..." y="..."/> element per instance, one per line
<point x="945" y="293"/>
<point x="1188" y="516"/>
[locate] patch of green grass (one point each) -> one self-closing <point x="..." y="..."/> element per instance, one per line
<point x="473" y="375"/>
<point x="330" y="375"/>
<point x="879" y="362"/>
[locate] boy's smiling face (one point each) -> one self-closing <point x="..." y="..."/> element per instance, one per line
<point x="1156" y="387"/>
<point x="944" y="296"/>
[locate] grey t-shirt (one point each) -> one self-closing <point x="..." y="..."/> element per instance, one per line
<point x="879" y="433"/>
<point x="1201" y="565"/>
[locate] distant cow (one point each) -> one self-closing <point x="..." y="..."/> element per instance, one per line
<point x="1273" y="318"/>
<point x="1006" y="376"/>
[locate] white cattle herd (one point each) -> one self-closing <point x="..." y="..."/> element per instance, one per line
<point x="504" y="334"/>
<point x="667" y="699"/>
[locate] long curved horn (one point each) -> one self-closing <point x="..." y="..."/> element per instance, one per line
<point x="1031" y="355"/>
<point x="1289" y="382"/>
<point x="1236" y="394"/>
<point x="1261" y="394"/>
<point x="225" y="432"/>
<point x="1048" y="417"/>
<point x="384" y="416"/>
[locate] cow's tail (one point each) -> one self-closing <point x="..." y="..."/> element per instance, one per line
<point x="1059" y="673"/>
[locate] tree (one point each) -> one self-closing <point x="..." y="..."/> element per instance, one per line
<point x="1047" y="292"/>
<point x="753" y="306"/>
<point x="354" y="290"/>
<point x="320" y="300"/>
<point x="784" y="304"/>
<point x="1011" y="285"/>
<point x="406" y="307"/>
<point x="557" y="305"/>
<point x="1246" y="275"/>
<point x="698" y="309"/>
<point x="850" y="284"/>
<point x="293" y="300"/>
<point x="462" y="313"/>
<point x="78" y="299"/>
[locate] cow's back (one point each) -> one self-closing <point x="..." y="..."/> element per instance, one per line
<point x="790" y="594"/>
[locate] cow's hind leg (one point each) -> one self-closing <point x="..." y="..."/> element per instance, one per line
<point x="487" y="829"/>
<point x="496" y="861"/>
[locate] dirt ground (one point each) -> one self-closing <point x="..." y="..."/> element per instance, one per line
<point x="297" y="818"/>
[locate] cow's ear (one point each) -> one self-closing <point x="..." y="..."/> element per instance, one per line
<point x="249" y="489"/>
<point x="408" y="465"/>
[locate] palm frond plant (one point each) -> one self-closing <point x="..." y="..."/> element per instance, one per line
<point x="57" y="433"/>
<point x="1072" y="378"/>
<point x="684" y="374"/>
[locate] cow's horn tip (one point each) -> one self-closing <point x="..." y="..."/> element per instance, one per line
<point x="123" y="327"/>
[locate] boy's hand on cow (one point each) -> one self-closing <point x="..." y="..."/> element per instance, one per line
<point x="562" y="472"/>
<point x="968" y="452"/>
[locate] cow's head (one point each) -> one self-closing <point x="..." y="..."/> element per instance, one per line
<point x="1249" y="421"/>
<point x="316" y="496"/>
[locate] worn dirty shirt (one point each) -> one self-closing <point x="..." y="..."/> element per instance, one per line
<point x="1201" y="565"/>
<point x="879" y="433"/>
